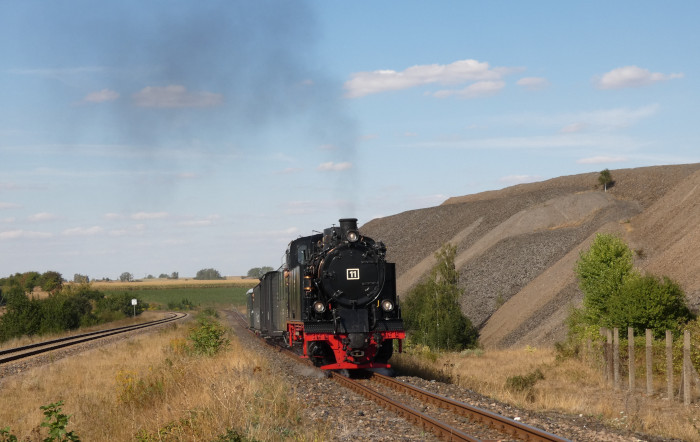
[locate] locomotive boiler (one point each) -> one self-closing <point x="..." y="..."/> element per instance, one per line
<point x="335" y="297"/>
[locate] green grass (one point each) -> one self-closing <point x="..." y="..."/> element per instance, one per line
<point x="199" y="296"/>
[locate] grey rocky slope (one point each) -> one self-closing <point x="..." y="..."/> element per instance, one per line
<point x="516" y="247"/>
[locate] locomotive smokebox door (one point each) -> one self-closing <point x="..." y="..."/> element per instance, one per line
<point x="354" y="276"/>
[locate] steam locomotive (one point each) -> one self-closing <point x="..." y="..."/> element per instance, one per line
<point x="335" y="296"/>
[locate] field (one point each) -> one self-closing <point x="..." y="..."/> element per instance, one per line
<point x="202" y="293"/>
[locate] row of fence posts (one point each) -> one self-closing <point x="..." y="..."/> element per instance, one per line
<point x="611" y="363"/>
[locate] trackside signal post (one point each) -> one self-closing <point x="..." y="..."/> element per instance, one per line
<point x="133" y="302"/>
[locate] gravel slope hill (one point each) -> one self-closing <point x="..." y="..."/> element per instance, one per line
<point x="516" y="247"/>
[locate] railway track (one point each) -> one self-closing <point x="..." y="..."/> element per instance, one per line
<point x="480" y="424"/>
<point x="19" y="353"/>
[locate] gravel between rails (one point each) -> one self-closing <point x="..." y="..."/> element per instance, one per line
<point x="349" y="416"/>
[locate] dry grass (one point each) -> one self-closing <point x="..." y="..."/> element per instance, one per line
<point x="150" y="388"/>
<point x="569" y="386"/>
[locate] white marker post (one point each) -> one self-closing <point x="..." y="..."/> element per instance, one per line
<point x="133" y="302"/>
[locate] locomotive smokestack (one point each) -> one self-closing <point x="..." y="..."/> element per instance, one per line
<point x="347" y="225"/>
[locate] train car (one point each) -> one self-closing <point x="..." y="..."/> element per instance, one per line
<point x="335" y="296"/>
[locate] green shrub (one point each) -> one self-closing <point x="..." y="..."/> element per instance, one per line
<point x="208" y="337"/>
<point x="431" y="310"/>
<point x="522" y="383"/>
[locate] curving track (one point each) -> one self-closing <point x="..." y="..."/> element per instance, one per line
<point x="18" y="353"/>
<point x="483" y="423"/>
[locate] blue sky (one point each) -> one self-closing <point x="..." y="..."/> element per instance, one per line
<point x="171" y="136"/>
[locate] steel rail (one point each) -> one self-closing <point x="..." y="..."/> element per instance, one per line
<point x="496" y="421"/>
<point x="55" y="344"/>
<point x="441" y="429"/>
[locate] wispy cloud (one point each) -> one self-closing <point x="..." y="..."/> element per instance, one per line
<point x="175" y="96"/>
<point x="631" y="76"/>
<point x="311" y="207"/>
<point x="595" y="120"/>
<point x="24" y="234"/>
<point x="533" y="83"/>
<point x="475" y="90"/>
<point x="83" y="231"/>
<point x="149" y="215"/>
<point x="569" y="140"/>
<point x="572" y="128"/>
<point x="334" y="167"/>
<point x="101" y="96"/>
<point x="208" y="221"/>
<point x="42" y="216"/>
<point x="459" y="72"/>
<point x="5" y="206"/>
<point x="602" y="159"/>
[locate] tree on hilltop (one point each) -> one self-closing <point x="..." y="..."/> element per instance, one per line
<point x="605" y="179"/>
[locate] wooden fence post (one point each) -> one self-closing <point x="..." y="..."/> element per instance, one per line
<point x="687" y="367"/>
<point x="630" y="352"/>
<point x="669" y="364"/>
<point x="616" y="357"/>
<point x="650" y="384"/>
<point x="609" y="356"/>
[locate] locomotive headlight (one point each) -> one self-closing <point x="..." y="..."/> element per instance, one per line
<point x="319" y="307"/>
<point x="352" y="236"/>
<point x="387" y="305"/>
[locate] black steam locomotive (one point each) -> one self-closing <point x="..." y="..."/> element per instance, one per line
<point x="336" y="296"/>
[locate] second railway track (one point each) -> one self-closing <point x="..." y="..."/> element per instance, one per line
<point x="26" y="351"/>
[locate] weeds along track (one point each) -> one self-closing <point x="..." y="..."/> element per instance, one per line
<point x="19" y="353"/>
<point x="444" y="417"/>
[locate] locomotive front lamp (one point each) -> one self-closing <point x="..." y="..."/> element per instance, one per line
<point x="319" y="307"/>
<point x="387" y="305"/>
<point x="352" y="236"/>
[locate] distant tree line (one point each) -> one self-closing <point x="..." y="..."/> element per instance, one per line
<point x="66" y="308"/>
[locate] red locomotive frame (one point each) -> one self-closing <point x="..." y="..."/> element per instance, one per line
<point x="296" y="333"/>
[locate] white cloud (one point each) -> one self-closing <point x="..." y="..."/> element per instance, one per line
<point x="512" y="180"/>
<point x="461" y="71"/>
<point x="83" y="231"/>
<point x="631" y="76"/>
<point x="533" y="83"/>
<point x="149" y="215"/>
<point x="328" y="147"/>
<point x="15" y="234"/>
<point x="101" y="96"/>
<point x="602" y="159"/>
<point x="112" y="216"/>
<point x="334" y="167"/>
<point x="4" y="206"/>
<point x="175" y="96"/>
<point x="475" y="90"/>
<point x="42" y="216"/>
